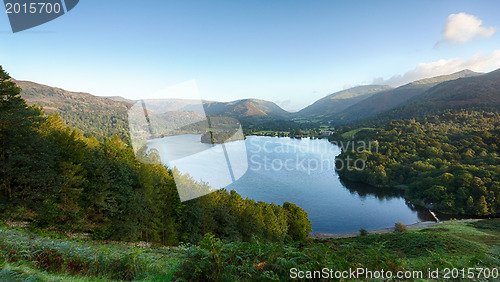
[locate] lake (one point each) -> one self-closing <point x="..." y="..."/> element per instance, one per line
<point x="300" y="171"/>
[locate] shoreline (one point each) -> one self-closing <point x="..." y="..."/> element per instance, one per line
<point x="418" y="225"/>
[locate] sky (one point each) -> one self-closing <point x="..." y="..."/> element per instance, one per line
<point x="291" y="52"/>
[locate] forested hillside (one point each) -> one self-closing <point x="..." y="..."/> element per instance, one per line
<point x="95" y="116"/>
<point x="449" y="162"/>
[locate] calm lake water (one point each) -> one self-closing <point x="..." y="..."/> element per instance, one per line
<point x="301" y="171"/>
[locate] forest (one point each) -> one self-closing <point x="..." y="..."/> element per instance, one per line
<point x="446" y="161"/>
<point x="52" y="176"/>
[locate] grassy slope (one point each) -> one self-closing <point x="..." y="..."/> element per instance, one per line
<point x="351" y="133"/>
<point x="449" y="244"/>
<point x="46" y="257"/>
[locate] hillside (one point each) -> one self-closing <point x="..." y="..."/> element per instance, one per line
<point x="390" y="99"/>
<point x="48" y="256"/>
<point x="339" y="101"/>
<point x="120" y="99"/>
<point x="94" y="116"/>
<point x="105" y="116"/>
<point x="245" y="108"/>
<point x="477" y="92"/>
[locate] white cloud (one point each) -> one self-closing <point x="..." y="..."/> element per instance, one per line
<point x="461" y="28"/>
<point x="478" y="63"/>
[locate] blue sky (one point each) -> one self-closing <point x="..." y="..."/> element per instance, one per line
<point x="289" y="52"/>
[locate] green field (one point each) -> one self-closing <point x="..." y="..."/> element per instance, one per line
<point x="350" y="134"/>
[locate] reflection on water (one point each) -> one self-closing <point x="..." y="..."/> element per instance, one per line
<point x="334" y="206"/>
<point x="382" y="193"/>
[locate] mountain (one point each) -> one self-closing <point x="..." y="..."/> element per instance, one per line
<point x="238" y="108"/>
<point x="480" y="92"/>
<point x="339" y="101"/>
<point x="120" y="99"/>
<point x="390" y="99"/>
<point x="104" y="116"/>
<point x="246" y="108"/>
<point x="483" y="90"/>
<point x="94" y="116"/>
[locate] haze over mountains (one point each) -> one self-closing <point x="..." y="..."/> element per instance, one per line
<point x="459" y="90"/>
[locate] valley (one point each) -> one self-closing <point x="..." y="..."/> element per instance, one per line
<point x="437" y="149"/>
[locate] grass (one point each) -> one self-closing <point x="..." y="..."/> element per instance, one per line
<point x="25" y="271"/>
<point x="27" y="256"/>
<point x="326" y="127"/>
<point x="479" y="244"/>
<point x="350" y="134"/>
<point x="86" y="258"/>
<point x="446" y="245"/>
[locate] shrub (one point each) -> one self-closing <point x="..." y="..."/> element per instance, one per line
<point x="400" y="227"/>
<point x="363" y="232"/>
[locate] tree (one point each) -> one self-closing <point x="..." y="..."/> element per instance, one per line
<point x="400" y="227"/>
<point x="27" y="162"/>
<point x="8" y="89"/>
<point x="481" y="206"/>
<point x="363" y="232"/>
<point x="299" y="226"/>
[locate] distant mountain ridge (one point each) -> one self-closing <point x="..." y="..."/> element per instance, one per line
<point x="386" y="100"/>
<point x="339" y="101"/>
<point x="105" y="116"/>
<point x="245" y="108"/>
<point x="120" y="99"/>
<point x="481" y="92"/>
<point x="238" y="108"/>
